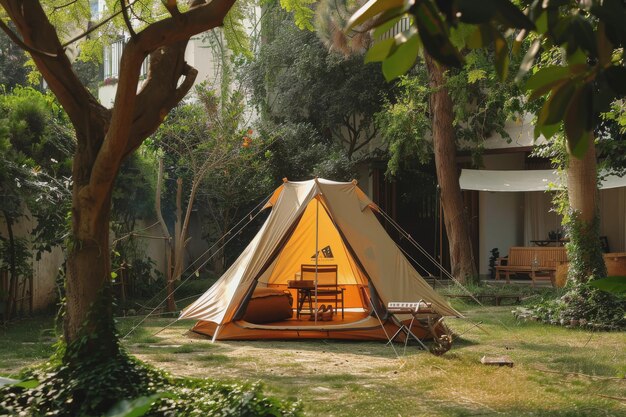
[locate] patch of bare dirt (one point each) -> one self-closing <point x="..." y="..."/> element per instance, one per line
<point x="258" y="359"/>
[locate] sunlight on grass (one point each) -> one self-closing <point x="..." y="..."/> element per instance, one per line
<point x="557" y="371"/>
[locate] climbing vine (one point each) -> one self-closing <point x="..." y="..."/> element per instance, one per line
<point x="582" y="304"/>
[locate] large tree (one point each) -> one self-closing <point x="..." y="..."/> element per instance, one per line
<point x="105" y="137"/>
<point x="444" y="149"/>
<point x="296" y="79"/>
<point x="330" y="21"/>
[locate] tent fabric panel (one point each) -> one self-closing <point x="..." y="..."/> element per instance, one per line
<point x="290" y="205"/>
<point x="212" y="305"/>
<point x="221" y="301"/>
<point x="392" y="275"/>
<point x="273" y="198"/>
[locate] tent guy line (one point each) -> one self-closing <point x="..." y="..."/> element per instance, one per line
<point x="201" y="265"/>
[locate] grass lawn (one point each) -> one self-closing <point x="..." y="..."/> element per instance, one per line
<point x="557" y="372"/>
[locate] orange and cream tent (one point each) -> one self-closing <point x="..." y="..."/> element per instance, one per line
<point x="317" y="222"/>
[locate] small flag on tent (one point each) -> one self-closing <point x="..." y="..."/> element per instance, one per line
<point x="327" y="252"/>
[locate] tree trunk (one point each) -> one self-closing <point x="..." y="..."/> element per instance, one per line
<point x="582" y="177"/>
<point x="88" y="264"/>
<point x="218" y="261"/>
<point x="585" y="251"/>
<point x="12" y="293"/>
<point x="455" y="218"/>
<point x="169" y="283"/>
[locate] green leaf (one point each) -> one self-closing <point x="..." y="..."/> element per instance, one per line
<point x="544" y="89"/>
<point x="371" y="9"/>
<point x="576" y="58"/>
<point x="475" y="12"/>
<point x="476" y="75"/>
<point x="545" y="76"/>
<point x="546" y="130"/>
<point x="542" y="23"/>
<point x="583" y="34"/>
<point x="614" y="284"/>
<point x="113" y="275"/>
<point x="380" y="50"/>
<point x="555" y="107"/>
<point x="480" y="38"/>
<point x="385" y="27"/>
<point x="27" y="384"/>
<point x="510" y="15"/>
<point x="402" y="59"/>
<point x="434" y="34"/>
<point x="613" y="14"/>
<point x="134" y="408"/>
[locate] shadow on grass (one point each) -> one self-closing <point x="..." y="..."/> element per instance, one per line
<point x="574" y="411"/>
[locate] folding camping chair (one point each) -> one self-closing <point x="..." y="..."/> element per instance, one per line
<point x="422" y="314"/>
<point x="407" y="308"/>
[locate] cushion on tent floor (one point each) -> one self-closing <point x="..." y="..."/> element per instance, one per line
<point x="268" y="305"/>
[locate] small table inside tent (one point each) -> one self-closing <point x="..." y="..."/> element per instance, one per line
<point x="328" y="289"/>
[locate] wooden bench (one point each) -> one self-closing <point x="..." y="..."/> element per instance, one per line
<point x="538" y="262"/>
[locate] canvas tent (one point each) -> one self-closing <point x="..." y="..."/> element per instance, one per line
<point x="336" y="221"/>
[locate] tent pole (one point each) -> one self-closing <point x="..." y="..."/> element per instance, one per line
<point x="440" y="231"/>
<point x="317" y="255"/>
<point x="217" y="330"/>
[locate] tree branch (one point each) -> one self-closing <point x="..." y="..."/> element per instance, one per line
<point x="63" y="6"/>
<point x="197" y="19"/>
<point x="129" y="26"/>
<point x="95" y="27"/>
<point x="171" y="32"/>
<point x="161" y="92"/>
<point x="6" y="29"/>
<point x="172" y="7"/>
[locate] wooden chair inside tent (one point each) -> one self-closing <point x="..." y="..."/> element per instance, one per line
<point x="328" y="289"/>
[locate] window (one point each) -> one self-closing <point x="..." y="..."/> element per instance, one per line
<point x="112" y="58"/>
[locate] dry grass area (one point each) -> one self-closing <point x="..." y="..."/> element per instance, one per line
<point x="557" y="371"/>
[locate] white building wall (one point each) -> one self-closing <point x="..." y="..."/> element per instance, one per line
<point x="501" y="215"/>
<point x="45" y="270"/>
<point x="612" y="204"/>
<point x="198" y="54"/>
